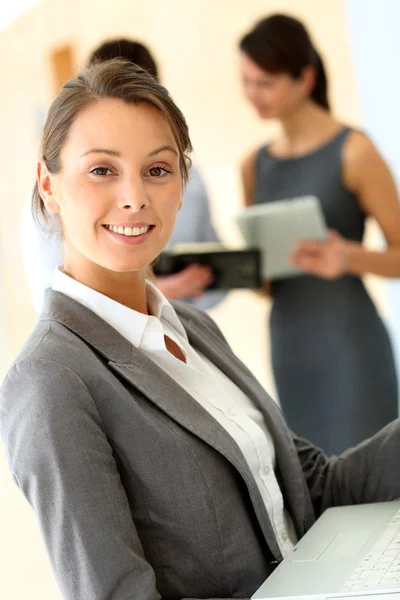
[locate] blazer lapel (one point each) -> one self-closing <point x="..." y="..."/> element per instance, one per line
<point x="171" y="398"/>
<point x="286" y="454"/>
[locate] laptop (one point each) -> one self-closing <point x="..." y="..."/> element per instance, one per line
<point x="350" y="553"/>
<point x="275" y="227"/>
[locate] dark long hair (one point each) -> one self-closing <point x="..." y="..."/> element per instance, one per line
<point x="281" y="44"/>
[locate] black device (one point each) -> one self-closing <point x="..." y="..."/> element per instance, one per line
<point x="232" y="269"/>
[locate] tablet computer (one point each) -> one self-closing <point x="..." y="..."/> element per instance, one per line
<point x="275" y="227"/>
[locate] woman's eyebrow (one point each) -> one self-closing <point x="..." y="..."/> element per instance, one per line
<point x="118" y="154"/>
<point x="162" y="148"/>
<point x="102" y="151"/>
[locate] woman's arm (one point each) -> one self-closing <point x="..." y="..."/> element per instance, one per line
<point x="248" y="177"/>
<point x="366" y="174"/>
<point x="366" y="473"/>
<point x="60" y="457"/>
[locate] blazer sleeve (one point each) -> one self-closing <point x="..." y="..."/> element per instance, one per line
<point x="369" y="472"/>
<point x="61" y="459"/>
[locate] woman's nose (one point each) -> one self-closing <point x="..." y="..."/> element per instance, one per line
<point x="251" y="92"/>
<point x="133" y="196"/>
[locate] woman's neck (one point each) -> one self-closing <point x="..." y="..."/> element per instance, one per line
<point x="304" y="130"/>
<point x="128" y="289"/>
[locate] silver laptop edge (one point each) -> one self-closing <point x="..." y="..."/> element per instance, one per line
<point x="338" y="545"/>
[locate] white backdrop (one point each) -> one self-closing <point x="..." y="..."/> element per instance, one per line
<point x="375" y="41"/>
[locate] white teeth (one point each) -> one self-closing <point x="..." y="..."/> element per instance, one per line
<point x="138" y="230"/>
<point x="128" y="231"/>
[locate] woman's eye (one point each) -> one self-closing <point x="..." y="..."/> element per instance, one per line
<point x="100" y="171"/>
<point x="158" y="171"/>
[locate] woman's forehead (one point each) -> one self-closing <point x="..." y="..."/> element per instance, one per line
<point x="113" y="122"/>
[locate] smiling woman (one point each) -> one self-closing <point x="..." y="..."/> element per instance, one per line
<point x="117" y="200"/>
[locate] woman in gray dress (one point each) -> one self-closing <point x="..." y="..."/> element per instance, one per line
<point x="332" y="359"/>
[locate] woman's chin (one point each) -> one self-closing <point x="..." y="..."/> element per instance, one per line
<point x="127" y="266"/>
<point x="266" y="113"/>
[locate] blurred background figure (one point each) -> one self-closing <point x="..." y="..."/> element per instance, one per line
<point x="43" y="249"/>
<point x="331" y="355"/>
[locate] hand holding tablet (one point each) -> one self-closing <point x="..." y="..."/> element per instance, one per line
<point x="275" y="228"/>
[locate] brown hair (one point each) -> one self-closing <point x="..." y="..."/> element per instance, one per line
<point x="282" y="44"/>
<point x="110" y="79"/>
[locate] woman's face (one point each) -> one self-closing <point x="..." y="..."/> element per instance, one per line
<point x="273" y="95"/>
<point x="119" y="188"/>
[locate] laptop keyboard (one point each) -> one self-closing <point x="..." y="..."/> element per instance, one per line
<point x="380" y="568"/>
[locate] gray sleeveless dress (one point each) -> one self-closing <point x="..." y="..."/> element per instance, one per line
<point x="331" y="355"/>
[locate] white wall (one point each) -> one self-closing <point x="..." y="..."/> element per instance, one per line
<point x="375" y="41"/>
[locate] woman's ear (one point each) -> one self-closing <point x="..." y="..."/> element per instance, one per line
<point x="46" y="187"/>
<point x="308" y="79"/>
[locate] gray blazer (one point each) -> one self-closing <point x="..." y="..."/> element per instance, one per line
<point x="139" y="492"/>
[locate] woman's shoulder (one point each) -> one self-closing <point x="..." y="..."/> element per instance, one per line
<point x="51" y="384"/>
<point x="249" y="159"/>
<point x="50" y="349"/>
<point x="359" y="156"/>
<point x="248" y="173"/>
<point x="47" y="403"/>
<point x="51" y="339"/>
<point x="357" y="145"/>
